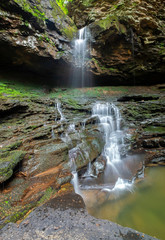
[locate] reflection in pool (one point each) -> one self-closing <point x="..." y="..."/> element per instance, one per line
<point x="143" y="209"/>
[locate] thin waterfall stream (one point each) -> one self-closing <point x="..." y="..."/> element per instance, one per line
<point x="80" y="77"/>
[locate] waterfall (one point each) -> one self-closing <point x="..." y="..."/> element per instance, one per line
<point x="109" y="118"/>
<point x="58" y="106"/>
<point x="72" y="128"/>
<point x="72" y="155"/>
<point x="116" y="177"/>
<point x="52" y="133"/>
<point x="76" y="183"/>
<point x="81" y="49"/>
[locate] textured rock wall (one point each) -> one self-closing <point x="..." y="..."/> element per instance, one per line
<point x="128" y="39"/>
<point x="35" y="35"/>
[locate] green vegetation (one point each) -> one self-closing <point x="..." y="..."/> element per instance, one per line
<point x="29" y="91"/>
<point x="154" y="129"/>
<point x="12" y="214"/>
<point x="15" y="213"/>
<point x="63" y="5"/>
<point x="47" y="195"/>
<point x="161" y="48"/>
<point x="107" y="22"/>
<point x="88" y="3"/>
<point x="18" y="90"/>
<point x="72" y="102"/>
<point x="111" y="20"/>
<point x="87" y="92"/>
<point x="146" y="110"/>
<point x="35" y="11"/>
<point x="26" y="23"/>
<point x="60" y="53"/>
<point x="18" y="215"/>
<point x="68" y="30"/>
<point x="44" y="37"/>
<point x="103" y="68"/>
<point x="8" y="161"/>
<point x="11" y="146"/>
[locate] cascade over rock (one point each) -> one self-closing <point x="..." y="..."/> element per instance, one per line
<point x="128" y="39"/>
<point x="43" y="138"/>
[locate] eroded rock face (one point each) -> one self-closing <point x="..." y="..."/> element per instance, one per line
<point x="35" y="145"/>
<point x="35" y="36"/>
<point x="128" y="39"/>
<point x="36" y="142"/>
<point x="146" y="122"/>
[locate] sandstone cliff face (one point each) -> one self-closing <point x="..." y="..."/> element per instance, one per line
<point x="35" y="35"/>
<point x="128" y="39"/>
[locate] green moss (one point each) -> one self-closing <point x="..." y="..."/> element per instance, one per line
<point x="33" y="127"/>
<point x="35" y="11"/>
<point x="111" y="21"/>
<point x="18" y="90"/>
<point x="63" y="5"/>
<point x="103" y="68"/>
<point x="18" y="212"/>
<point x="13" y="146"/>
<point x="26" y="23"/>
<point x="60" y="53"/>
<point x="44" y="37"/>
<point x="154" y="129"/>
<point x="11" y="214"/>
<point x="88" y="3"/>
<point x="145" y="111"/>
<point x="161" y="47"/>
<point x="69" y="32"/>
<point x="72" y="102"/>
<point x="18" y="215"/>
<point x="107" y="22"/>
<point x="47" y="195"/>
<point x="49" y="192"/>
<point x="8" y="162"/>
<point x="59" y="17"/>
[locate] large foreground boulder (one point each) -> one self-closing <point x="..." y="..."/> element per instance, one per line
<point x="65" y="218"/>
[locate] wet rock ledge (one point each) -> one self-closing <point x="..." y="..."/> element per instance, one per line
<point x="65" y="218"/>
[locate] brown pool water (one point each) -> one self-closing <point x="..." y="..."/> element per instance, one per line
<point x="143" y="210"/>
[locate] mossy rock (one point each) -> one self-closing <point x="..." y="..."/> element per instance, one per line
<point x="155" y="129"/>
<point x="110" y="22"/>
<point x="8" y="162"/>
<point x="11" y="146"/>
<point x="73" y="103"/>
<point x="64" y="23"/>
<point x="5" y="150"/>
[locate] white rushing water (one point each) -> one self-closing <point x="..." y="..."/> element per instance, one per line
<point x="58" y="106"/>
<point x="72" y="156"/>
<point x="80" y="48"/>
<point x="109" y="118"/>
<point x="52" y="133"/>
<point x="116" y="177"/>
<point x="110" y="121"/>
<point x="81" y="52"/>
